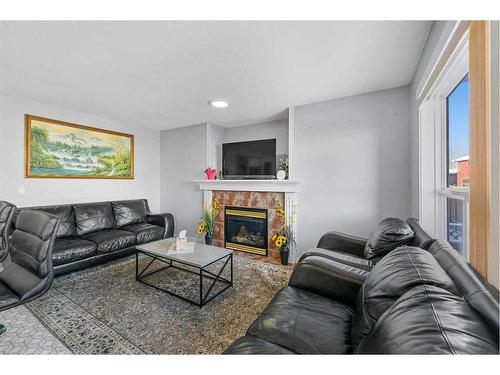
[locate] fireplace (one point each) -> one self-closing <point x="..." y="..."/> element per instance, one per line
<point x="245" y="229"/>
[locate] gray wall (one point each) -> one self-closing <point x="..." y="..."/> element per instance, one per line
<point x="353" y="163"/>
<point x="41" y="191"/>
<point x="436" y="40"/>
<point x="183" y="160"/>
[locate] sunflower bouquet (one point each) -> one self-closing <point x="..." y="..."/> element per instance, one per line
<point x="207" y="222"/>
<point x="285" y="236"/>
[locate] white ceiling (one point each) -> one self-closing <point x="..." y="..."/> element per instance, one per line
<point x="163" y="74"/>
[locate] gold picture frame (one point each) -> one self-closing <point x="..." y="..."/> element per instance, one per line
<point x="60" y="149"/>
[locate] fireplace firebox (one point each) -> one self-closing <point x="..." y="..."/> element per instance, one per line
<point x="245" y="229"/>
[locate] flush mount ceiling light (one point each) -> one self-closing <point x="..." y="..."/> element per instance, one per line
<point x="219" y="103"/>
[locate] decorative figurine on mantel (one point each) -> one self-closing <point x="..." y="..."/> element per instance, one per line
<point x="207" y="222"/>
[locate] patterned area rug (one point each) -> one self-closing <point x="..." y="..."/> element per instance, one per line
<point x="104" y="310"/>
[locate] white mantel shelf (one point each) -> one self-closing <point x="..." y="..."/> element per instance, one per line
<point x="282" y="186"/>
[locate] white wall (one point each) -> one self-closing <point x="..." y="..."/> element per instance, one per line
<point x="267" y="130"/>
<point x="183" y="160"/>
<point x="146" y="183"/>
<point x="353" y="163"/>
<point x="216" y="137"/>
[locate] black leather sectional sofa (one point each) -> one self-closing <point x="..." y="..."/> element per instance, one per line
<point x="93" y="233"/>
<point x="410" y="301"/>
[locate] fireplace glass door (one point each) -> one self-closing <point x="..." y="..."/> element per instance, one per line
<point x="245" y="229"/>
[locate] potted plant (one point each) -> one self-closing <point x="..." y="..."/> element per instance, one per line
<point x="282" y="173"/>
<point x="211" y="173"/>
<point x="207" y="222"/>
<point x="285" y="237"/>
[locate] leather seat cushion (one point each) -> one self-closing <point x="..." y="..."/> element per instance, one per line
<point x="7" y="296"/>
<point x="129" y="212"/>
<point x="430" y="320"/>
<point x="254" y="345"/>
<point x="93" y="217"/>
<point x="396" y="274"/>
<point x="389" y="234"/>
<point x="145" y="232"/>
<point x="19" y="280"/>
<point x="111" y="240"/>
<point x="67" y="250"/>
<point x="341" y="257"/>
<point x="305" y="323"/>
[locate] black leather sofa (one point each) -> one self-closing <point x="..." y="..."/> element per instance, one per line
<point x="412" y="301"/>
<point x="94" y="233"/>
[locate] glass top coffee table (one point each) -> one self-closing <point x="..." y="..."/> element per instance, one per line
<point x="197" y="257"/>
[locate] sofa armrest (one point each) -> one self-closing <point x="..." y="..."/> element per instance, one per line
<point x="328" y="278"/>
<point x="165" y="220"/>
<point x="343" y="242"/>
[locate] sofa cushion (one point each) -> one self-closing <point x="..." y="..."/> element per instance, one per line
<point x="66" y="219"/>
<point x="341" y="257"/>
<point x="254" y="345"/>
<point x="111" y="240"/>
<point x="145" y="232"/>
<point x="422" y="238"/>
<point x="129" y="212"/>
<point x="67" y="250"/>
<point x="93" y="217"/>
<point x="389" y="234"/>
<point x="305" y="323"/>
<point x="396" y="274"/>
<point x="430" y="320"/>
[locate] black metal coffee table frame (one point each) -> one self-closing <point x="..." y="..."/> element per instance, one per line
<point x="203" y="272"/>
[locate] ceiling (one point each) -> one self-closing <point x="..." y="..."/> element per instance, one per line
<point x="163" y="74"/>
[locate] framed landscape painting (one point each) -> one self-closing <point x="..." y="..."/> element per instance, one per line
<point x="57" y="149"/>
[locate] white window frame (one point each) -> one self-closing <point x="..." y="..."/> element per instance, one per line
<point x="452" y="74"/>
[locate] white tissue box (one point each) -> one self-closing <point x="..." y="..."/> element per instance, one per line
<point x="181" y="243"/>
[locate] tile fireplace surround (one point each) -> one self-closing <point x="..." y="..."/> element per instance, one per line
<point x="266" y="194"/>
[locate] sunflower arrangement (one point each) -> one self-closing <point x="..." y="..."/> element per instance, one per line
<point x="286" y="235"/>
<point x="207" y="222"/>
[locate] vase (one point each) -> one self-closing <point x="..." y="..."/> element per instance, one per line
<point x="209" y="236"/>
<point x="284" y="254"/>
<point x="211" y="175"/>
<point x="281" y="175"/>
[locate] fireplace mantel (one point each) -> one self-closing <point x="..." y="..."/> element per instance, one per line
<point x="282" y="186"/>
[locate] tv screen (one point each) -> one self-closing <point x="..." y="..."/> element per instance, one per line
<point x="249" y="160"/>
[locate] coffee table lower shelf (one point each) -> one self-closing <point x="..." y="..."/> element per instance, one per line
<point x="202" y="273"/>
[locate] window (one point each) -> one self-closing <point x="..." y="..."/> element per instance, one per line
<point x="457" y="162"/>
<point x="457" y="137"/>
<point x="444" y="153"/>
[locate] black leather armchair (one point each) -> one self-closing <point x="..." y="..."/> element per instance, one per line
<point x="28" y="272"/>
<point x="363" y="253"/>
<point x="6" y="214"/>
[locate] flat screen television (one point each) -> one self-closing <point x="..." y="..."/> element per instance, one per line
<point x="249" y="160"/>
